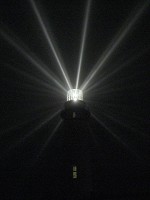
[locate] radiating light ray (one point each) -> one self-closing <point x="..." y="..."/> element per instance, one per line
<point x="108" y="87"/>
<point x="37" y="80"/>
<point x="121" y="108"/>
<point x="42" y="124"/>
<point x="51" y="43"/>
<point x="32" y="58"/>
<point x="129" y="114"/>
<point x="129" y="126"/>
<point x="34" y="90"/>
<point x="48" y="140"/>
<point x="6" y="130"/>
<point x="108" y="90"/>
<point x="12" y="128"/>
<point x="85" y="26"/>
<point x="116" y="70"/>
<point x="114" y="44"/>
<point x="30" y="134"/>
<point x="115" y="136"/>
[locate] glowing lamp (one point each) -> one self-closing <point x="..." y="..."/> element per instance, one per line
<point x="75" y="95"/>
<point x="75" y="108"/>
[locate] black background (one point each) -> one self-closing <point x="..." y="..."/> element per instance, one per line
<point x="120" y="102"/>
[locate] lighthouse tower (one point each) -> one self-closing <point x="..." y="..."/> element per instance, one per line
<point x="76" y="116"/>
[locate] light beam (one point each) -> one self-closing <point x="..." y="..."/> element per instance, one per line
<point x="32" y="59"/>
<point x="48" y="140"/>
<point x="37" y="80"/>
<point x="115" y="43"/>
<point x="41" y="124"/>
<point x="116" y="70"/>
<point x="130" y="126"/>
<point x="109" y="88"/>
<point x="114" y="135"/>
<point x="48" y="119"/>
<point x="51" y="43"/>
<point x="85" y="25"/>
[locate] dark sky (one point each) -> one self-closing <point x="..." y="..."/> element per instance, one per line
<point x="118" y="95"/>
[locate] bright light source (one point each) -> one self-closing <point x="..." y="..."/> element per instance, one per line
<point x="74" y="95"/>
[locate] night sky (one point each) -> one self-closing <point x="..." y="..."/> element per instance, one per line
<point x="33" y="138"/>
